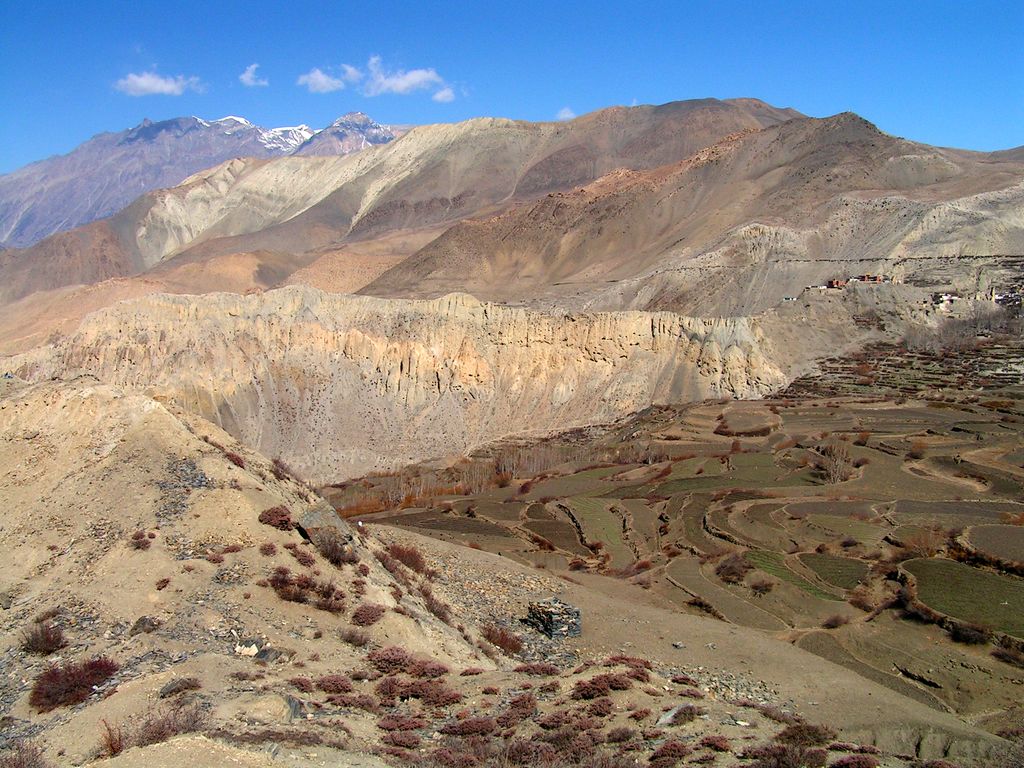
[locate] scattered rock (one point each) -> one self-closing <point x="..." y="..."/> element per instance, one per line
<point x="182" y="684"/>
<point x="248" y="646"/>
<point x="144" y="624"/>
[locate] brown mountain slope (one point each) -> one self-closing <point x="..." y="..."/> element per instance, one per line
<point x="736" y="227"/>
<point x="431" y="175"/>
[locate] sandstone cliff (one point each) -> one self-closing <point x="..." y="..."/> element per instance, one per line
<point x="337" y="385"/>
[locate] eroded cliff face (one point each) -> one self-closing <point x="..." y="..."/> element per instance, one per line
<point x="337" y="385"/>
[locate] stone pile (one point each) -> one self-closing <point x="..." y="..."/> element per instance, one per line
<point x="555" y="618"/>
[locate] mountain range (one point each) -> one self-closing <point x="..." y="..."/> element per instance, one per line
<point x="290" y="209"/>
<point x="104" y="174"/>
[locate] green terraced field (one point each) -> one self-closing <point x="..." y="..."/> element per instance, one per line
<point x="1003" y="541"/>
<point x="773" y="563"/>
<point x="970" y="594"/>
<point x="846" y="526"/>
<point x="601" y="525"/>
<point x="845" y="572"/>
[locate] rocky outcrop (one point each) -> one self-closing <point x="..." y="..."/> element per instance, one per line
<point x="337" y="385"/>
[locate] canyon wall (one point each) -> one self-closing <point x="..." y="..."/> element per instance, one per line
<point x="337" y="385"/>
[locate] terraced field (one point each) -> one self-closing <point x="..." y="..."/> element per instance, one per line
<point x="970" y="594"/>
<point x="932" y="460"/>
<point x="844" y="572"/>
<point x="774" y="564"/>
<point x="1003" y="541"/>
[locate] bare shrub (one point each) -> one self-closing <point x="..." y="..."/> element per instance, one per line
<point x="367" y="614"/>
<point x="686" y="714"/>
<point x="23" y="754"/>
<point x="601" y="685"/>
<point x="335" y="548"/>
<point x="715" y="743"/>
<point x="805" y="735"/>
<point x="502" y="638"/>
<point x="835" y="621"/>
<point x="861" y="598"/>
<point x="856" y="761"/>
<point x="354" y="637"/>
<point x="426" y="668"/>
<point x="277" y="517"/>
<point x="433" y="693"/>
<point x="268" y="548"/>
<point x="334" y="684"/>
<point x="732" y="569"/>
<point x="704" y="606"/>
<point x="761" y="587"/>
<point x="771" y="712"/>
<point x="42" y="638"/>
<point x="305" y="589"/>
<point x="917" y="450"/>
<point x="601" y="707"/>
<point x="471" y="726"/>
<point x="669" y="754"/>
<point x="435" y="605"/>
<point x="969" y="634"/>
<point x="139" y="540"/>
<point x="304" y="557"/>
<point x="390" y="660"/>
<point x="401" y="723"/>
<point x="923" y="544"/>
<point x="785" y="756"/>
<point x="621" y="735"/>
<point x="235" y="459"/>
<point x="281" y="470"/>
<point x="835" y="465"/>
<point x="537" y="669"/>
<point x="1009" y="656"/>
<point x="164" y="724"/>
<point x="403" y="739"/>
<point x="113" y="739"/>
<point x="71" y="683"/>
<point x="409" y="556"/>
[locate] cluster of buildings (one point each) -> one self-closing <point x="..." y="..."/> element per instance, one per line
<point x="842" y="282"/>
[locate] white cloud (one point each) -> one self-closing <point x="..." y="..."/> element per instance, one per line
<point x="376" y="80"/>
<point x="445" y="95"/>
<point x="249" y="78"/>
<point x="150" y="83"/>
<point x="351" y="74"/>
<point x="565" y="113"/>
<point x="399" y="81"/>
<point x="318" y="81"/>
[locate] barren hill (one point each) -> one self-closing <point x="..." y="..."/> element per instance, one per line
<point x="239" y="624"/>
<point x="740" y="225"/>
<point x="432" y="175"/>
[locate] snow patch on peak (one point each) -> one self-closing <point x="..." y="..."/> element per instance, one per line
<point x="233" y="119"/>
<point x="286" y="138"/>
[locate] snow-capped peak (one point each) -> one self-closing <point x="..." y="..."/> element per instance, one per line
<point x="233" y="119"/>
<point x="286" y="138"/>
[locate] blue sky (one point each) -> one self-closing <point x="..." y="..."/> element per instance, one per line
<point x="947" y="73"/>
